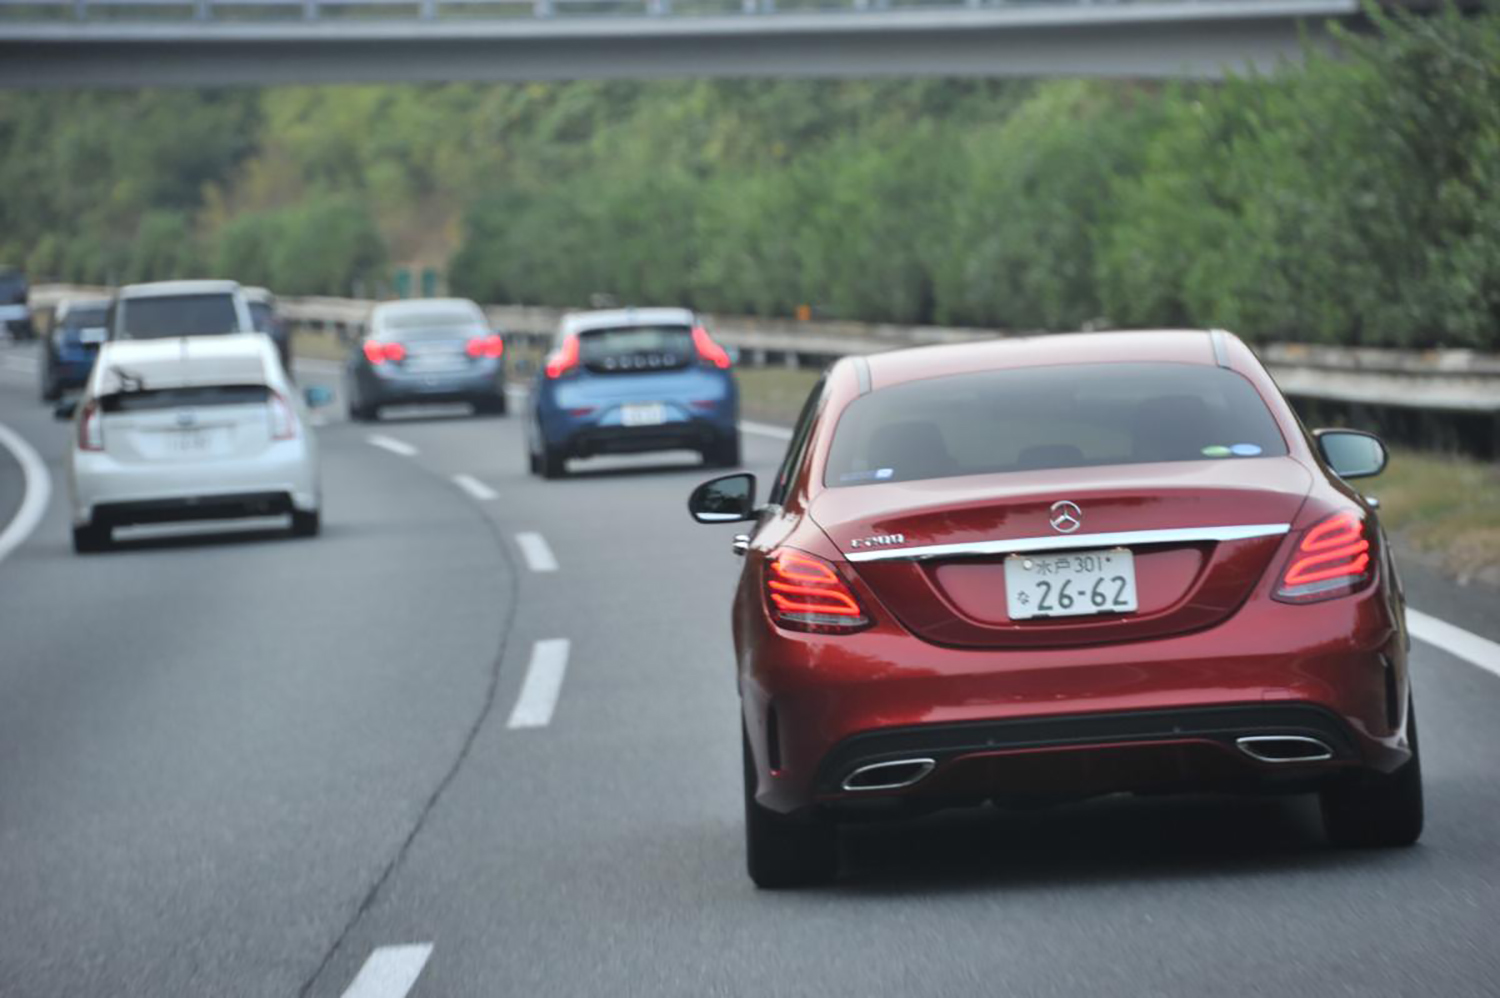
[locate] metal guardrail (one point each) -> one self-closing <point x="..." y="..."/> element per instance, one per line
<point x="432" y="10"/>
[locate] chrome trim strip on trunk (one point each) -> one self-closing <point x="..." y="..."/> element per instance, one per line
<point x="1070" y="542"/>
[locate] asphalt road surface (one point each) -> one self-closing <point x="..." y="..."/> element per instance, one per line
<point x="418" y="748"/>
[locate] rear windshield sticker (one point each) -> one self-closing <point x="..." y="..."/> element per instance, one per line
<point x="1216" y="450"/>
<point x="871" y="475"/>
<point x="1245" y="450"/>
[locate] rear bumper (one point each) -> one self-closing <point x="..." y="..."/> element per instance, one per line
<point x="687" y="435"/>
<point x="1149" y="716"/>
<point x="468" y="386"/>
<point x="106" y="490"/>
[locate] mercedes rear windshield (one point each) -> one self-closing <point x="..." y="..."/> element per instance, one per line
<point x="1068" y="416"/>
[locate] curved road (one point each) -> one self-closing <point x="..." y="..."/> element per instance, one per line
<point x="240" y="764"/>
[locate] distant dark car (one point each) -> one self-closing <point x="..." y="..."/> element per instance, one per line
<point x="626" y="381"/>
<point x="15" y="313"/>
<point x="426" y="350"/>
<point x="266" y="316"/>
<point x="77" y="331"/>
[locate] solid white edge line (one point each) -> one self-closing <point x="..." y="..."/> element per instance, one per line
<point x="536" y="552"/>
<point x="1455" y="640"/>
<point x="765" y="430"/>
<point x="542" y="685"/>
<point x="391" y="444"/>
<point x="475" y="488"/>
<point x="36" y="489"/>
<point x="389" y="972"/>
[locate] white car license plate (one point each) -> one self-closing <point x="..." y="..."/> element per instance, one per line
<point x="1070" y="584"/>
<point x="642" y="414"/>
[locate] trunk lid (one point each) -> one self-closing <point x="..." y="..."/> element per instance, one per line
<point x="958" y="597"/>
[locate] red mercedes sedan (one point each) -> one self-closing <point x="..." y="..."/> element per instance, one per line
<point x="1053" y="567"/>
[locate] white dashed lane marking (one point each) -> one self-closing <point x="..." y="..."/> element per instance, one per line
<point x="389" y="972"/>
<point x="475" y="488"/>
<point x="542" y="685"/>
<point x="391" y="444"/>
<point x="536" y="552"/>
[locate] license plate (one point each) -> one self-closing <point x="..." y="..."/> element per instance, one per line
<point x="642" y="414"/>
<point x="1071" y="584"/>
<point x="433" y="362"/>
<point x="193" y="441"/>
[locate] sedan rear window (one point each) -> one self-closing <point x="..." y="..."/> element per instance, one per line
<point x="197" y="396"/>
<point x="178" y="315"/>
<point x="636" y="348"/>
<point x="1030" y="419"/>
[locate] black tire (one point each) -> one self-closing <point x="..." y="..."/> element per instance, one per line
<point x="91" y="538"/>
<point x="492" y="405"/>
<point x="533" y="463"/>
<point x="306" y="524"/>
<point x="782" y="851"/>
<point x="51" y="390"/>
<point x="553" y="463"/>
<point x="723" y="453"/>
<point x="1378" y="811"/>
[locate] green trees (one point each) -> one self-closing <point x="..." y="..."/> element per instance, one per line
<point x="1350" y="200"/>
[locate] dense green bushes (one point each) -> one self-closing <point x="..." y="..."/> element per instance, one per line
<point x="1353" y="200"/>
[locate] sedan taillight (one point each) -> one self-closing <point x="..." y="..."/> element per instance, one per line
<point x="485" y="346"/>
<point x="90" y="427"/>
<point x="377" y="352"/>
<point x="806" y="593"/>
<point x="1332" y="559"/>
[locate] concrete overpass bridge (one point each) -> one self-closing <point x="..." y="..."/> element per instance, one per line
<point x="64" y="43"/>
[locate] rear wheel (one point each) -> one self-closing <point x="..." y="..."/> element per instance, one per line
<point x="493" y="405"/>
<point x="362" y="413"/>
<point x="724" y="452"/>
<point x="782" y="851"/>
<point x="51" y="390"/>
<point x="1379" y="811"/>
<point x="306" y="524"/>
<point x="90" y="538"/>
<point x="552" y="462"/>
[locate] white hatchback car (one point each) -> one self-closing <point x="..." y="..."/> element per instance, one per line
<point x="191" y="428"/>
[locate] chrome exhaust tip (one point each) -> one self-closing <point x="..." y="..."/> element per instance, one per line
<point x="1284" y="748"/>
<point x="891" y="775"/>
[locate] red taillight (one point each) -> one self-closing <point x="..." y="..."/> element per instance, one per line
<point x="90" y="428"/>
<point x="564" y="358"/>
<point x="806" y="593"/>
<point x="283" y="420"/>
<point x="1332" y="559"/>
<point x="485" y="346"/>
<point x="709" y="351"/>
<point x="378" y="353"/>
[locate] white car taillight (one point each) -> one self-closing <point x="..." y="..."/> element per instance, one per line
<point x="283" y="419"/>
<point x="90" y="427"/>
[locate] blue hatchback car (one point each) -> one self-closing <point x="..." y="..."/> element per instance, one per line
<point x="77" y="330"/>
<point x="626" y="381"/>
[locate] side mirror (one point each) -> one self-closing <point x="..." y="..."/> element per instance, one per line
<point x="729" y="499"/>
<point x="317" y="396"/>
<point x="1352" y="453"/>
<point x="65" y="408"/>
<point x="92" y="336"/>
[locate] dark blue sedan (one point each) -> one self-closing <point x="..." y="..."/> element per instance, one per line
<point x="77" y="331"/>
<point x="625" y="381"/>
